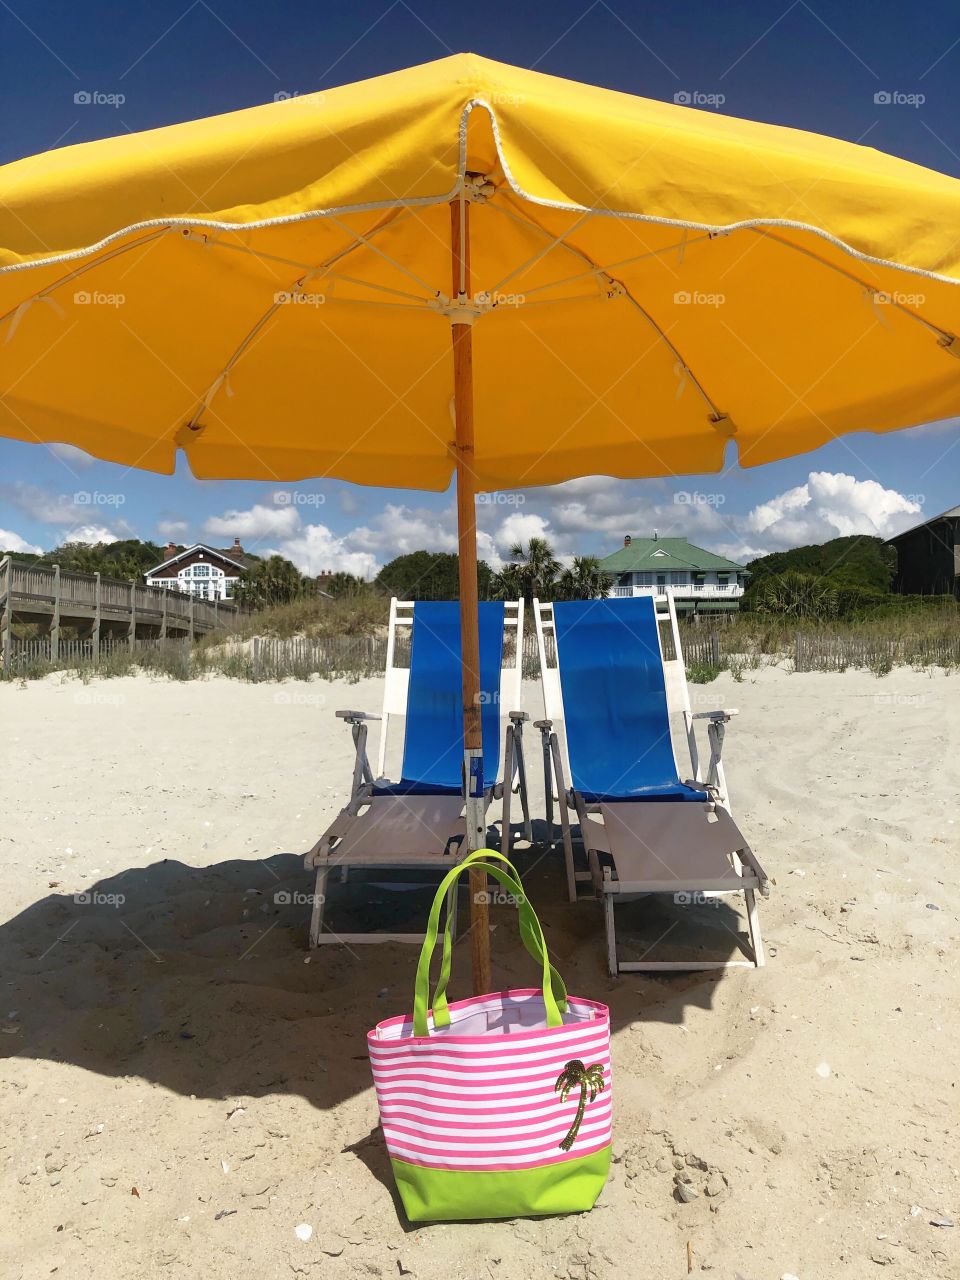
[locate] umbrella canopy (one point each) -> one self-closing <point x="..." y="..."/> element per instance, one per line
<point x="271" y="290"/>
<point x="629" y="286"/>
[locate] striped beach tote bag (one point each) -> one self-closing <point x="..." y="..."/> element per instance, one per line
<point x="498" y="1106"/>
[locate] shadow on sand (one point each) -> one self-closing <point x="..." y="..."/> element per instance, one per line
<point x="197" y="978"/>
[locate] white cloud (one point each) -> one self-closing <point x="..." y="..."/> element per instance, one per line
<point x="259" y="522"/>
<point x="829" y="505"/>
<point x="91" y="533"/>
<point x="10" y="541"/>
<point x="71" y="455"/>
<point x="171" y="528"/>
<point x="315" y="549"/>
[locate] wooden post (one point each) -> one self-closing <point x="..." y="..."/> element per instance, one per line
<point x="55" y="619"/>
<point x="476" y="822"/>
<point x="192" y="631"/>
<point x="163" y="613"/>
<point x="95" y="633"/>
<point x="7" y="570"/>
<point x="132" y="629"/>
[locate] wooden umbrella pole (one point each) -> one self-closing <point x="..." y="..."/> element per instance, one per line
<point x="476" y="822"/>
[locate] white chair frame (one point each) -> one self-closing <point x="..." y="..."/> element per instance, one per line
<point x="750" y="876"/>
<point x="438" y="821"/>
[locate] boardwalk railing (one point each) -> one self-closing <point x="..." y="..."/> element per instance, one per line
<point x="95" y="605"/>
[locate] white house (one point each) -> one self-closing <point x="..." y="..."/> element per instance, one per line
<point x="698" y="580"/>
<point x="207" y="572"/>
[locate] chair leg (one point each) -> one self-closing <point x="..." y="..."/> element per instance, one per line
<point x="524" y="797"/>
<point x="509" y="754"/>
<point x="564" y="820"/>
<point x="753" y="920"/>
<point x="319" y="901"/>
<point x="548" y="787"/>
<point x="610" y="922"/>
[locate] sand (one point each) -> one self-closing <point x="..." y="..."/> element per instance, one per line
<point x="181" y="1089"/>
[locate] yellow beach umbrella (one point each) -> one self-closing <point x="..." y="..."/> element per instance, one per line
<point x="470" y="268"/>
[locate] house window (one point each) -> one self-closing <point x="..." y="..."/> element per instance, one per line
<point x="678" y="579"/>
<point x="201" y="571"/>
<point x="644" y="579"/>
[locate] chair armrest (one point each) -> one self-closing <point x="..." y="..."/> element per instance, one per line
<point x="520" y="716"/>
<point x="543" y="724"/>
<point x="356" y="716"/>
<point x="726" y="714"/>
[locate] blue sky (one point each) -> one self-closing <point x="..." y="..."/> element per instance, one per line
<point x="812" y="66"/>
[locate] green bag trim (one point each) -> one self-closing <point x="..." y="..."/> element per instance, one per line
<point x="531" y="934"/>
<point x="449" y="1195"/>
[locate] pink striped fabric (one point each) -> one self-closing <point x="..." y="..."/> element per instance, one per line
<point x="479" y="1094"/>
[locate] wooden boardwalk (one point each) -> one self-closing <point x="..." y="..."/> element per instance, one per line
<point x="97" y="609"/>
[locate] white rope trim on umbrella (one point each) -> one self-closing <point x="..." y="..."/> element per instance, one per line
<point x="472" y="104"/>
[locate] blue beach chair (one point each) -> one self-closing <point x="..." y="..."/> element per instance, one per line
<point x="609" y="693"/>
<point x="418" y="821"/>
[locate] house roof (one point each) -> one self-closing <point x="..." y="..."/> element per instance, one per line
<point x="952" y="514"/>
<point x="658" y="554"/>
<point x="226" y="554"/>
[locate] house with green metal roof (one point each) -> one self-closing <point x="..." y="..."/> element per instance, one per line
<point x="698" y="580"/>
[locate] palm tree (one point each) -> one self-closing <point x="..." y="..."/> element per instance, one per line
<point x="575" y="1075"/>
<point x="583" y="580"/>
<point x="533" y="572"/>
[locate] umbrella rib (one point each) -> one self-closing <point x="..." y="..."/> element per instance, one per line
<point x="365" y="240"/>
<point x="717" y="415"/>
<point x="116" y="252"/>
<point x="622" y="262"/>
<point x="944" y="336"/>
<point x="359" y="242"/>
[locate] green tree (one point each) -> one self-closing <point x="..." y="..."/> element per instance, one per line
<point x="533" y="572"/>
<point x="797" y="595"/>
<point x="583" y="580"/>
<point x="429" y="575"/>
<point x="271" y="582"/>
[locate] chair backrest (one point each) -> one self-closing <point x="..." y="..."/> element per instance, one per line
<point x="427" y="693"/>
<point x="609" y="688"/>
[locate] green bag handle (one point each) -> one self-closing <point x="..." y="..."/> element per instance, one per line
<point x="531" y="935"/>
<point x="554" y="991"/>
